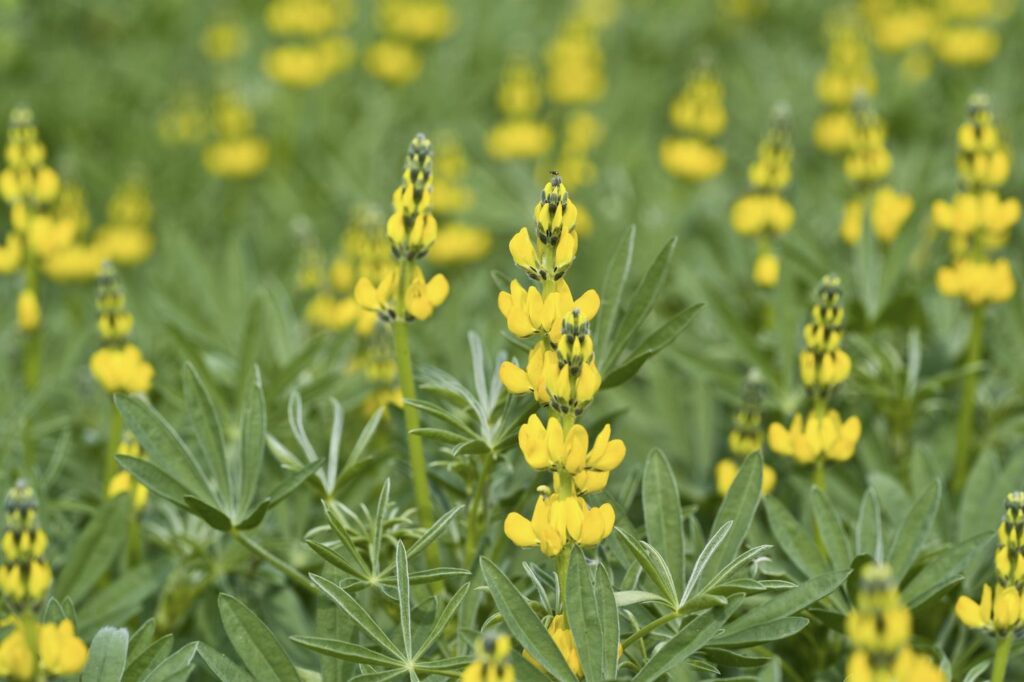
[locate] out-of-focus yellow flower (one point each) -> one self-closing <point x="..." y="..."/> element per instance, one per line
<point x="223" y="41"/>
<point x="890" y="211"/>
<point x="301" y="65"/>
<point x="61" y="652"/>
<point x="25" y="575"/>
<point x="977" y="282"/>
<point x="745" y="438"/>
<point x="28" y="311"/>
<point x="575" y="66"/>
<point x="393" y="62"/>
<point x="699" y="115"/>
<point x="306" y="18"/>
<point x="123" y="483"/>
<point x="755" y="214"/>
<point x="122" y="370"/>
<point x="833" y="131"/>
<point x="766" y="270"/>
<point x="11" y="253"/>
<point x="727" y="469"/>
<point x="459" y="243"/>
<point x="966" y="45"/>
<point x="490" y="664"/>
<point x="237" y="152"/>
<point x="417" y="21"/>
<point x="690" y="158"/>
<point x="518" y="139"/>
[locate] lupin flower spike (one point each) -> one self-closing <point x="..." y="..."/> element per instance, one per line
<point x="118" y="365"/>
<point x="25" y="575"/>
<point x="879" y="628"/>
<point x="491" y="664"/>
<point x="745" y="438"/>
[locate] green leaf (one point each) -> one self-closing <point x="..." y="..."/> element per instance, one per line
<point x="148" y="658"/>
<point x="175" y="668"/>
<point x="655" y="569"/>
<point x="98" y="545"/>
<point x="347" y="651"/>
<point x="523" y="623"/>
<point x="914" y="531"/>
<point x="440" y="435"/>
<point x="291" y="482"/>
<point x="705" y="557"/>
<point x="357" y="613"/>
<point x="830" y="530"/>
<point x="582" y="614"/>
<point x="108" y="656"/>
<point x="642" y="301"/>
<point x="608" y="615"/>
<point x="223" y="667"/>
<point x="765" y="632"/>
<point x="158" y="481"/>
<point x="254" y="642"/>
<point x="651" y="346"/>
<point x="688" y="641"/>
<point x="663" y="518"/>
<point x="739" y="507"/>
<point x="206" y="428"/>
<point x="163" y="444"/>
<point x="616" y="279"/>
<point x="794" y="539"/>
<point x="937" y="572"/>
<point x="789" y="602"/>
<point x="404" y="598"/>
<point x="868" y="537"/>
<point x="443" y="618"/>
<point x="254" y="437"/>
<point x="212" y="516"/>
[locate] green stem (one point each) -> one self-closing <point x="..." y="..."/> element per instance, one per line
<point x="819" y="473"/>
<point x="33" y="344"/>
<point x="1001" y="659"/>
<point x="649" y="628"/>
<point x="965" y="420"/>
<point x="563" y="573"/>
<point x="477" y="511"/>
<point x="417" y="458"/>
<point x="113" y="440"/>
<point x="275" y="561"/>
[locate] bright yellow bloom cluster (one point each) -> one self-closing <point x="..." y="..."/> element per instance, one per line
<point x="847" y="75"/>
<point x="967" y="32"/>
<point x="561" y="634"/>
<point x="403" y="292"/>
<point x="1001" y="610"/>
<point x="310" y="49"/>
<point x="520" y="133"/>
<point x="745" y="437"/>
<point x="118" y="365"/>
<point x="25" y="575"/>
<point x="562" y="374"/>
<point x="867" y="165"/>
<point x="236" y="152"/>
<point x="699" y="115"/>
<point x="123" y="483"/>
<point x="126" y="237"/>
<point x="880" y="628"/>
<point x="824" y="365"/>
<point x="404" y="26"/>
<point x="978" y="220"/>
<point x="763" y="212"/>
<point x="491" y="664"/>
<point x="58" y="651"/>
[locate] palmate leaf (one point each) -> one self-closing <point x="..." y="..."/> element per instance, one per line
<point x="523" y="623"/>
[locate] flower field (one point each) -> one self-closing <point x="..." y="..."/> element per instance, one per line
<point x="516" y="341"/>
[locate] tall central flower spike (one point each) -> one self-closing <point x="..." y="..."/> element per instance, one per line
<point x="978" y="220"/>
<point x="1000" y="611"/>
<point x="403" y="292"/>
<point x="561" y="374"/>
<point x="867" y="165"/>
<point x="699" y="116"/>
<point x="118" y="365"/>
<point x="745" y="438"/>
<point x="880" y="628"/>
<point x="764" y="213"/>
<point x="821" y="434"/>
<point x="32" y="650"/>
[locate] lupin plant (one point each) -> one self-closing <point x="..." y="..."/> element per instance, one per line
<point x="699" y="116"/>
<point x="237" y="151"/>
<point x="979" y="222"/>
<point x="122" y="482"/>
<point x="879" y="628"/>
<point x="32" y="648"/>
<point x="867" y="165"/>
<point x="1000" y="612"/>
<point x="848" y="74"/>
<point x="403" y="293"/>
<point x="126" y="236"/>
<point x="821" y="434"/>
<point x="30" y="187"/>
<point x="562" y="375"/>
<point x="310" y="47"/>
<point x="764" y="213"/>
<point x="520" y="133"/>
<point x="745" y="438"/>
<point x="491" y="664"/>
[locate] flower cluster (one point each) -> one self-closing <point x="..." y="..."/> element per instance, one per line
<point x="867" y="165"/>
<point x="699" y="115"/>
<point x="1000" y="610"/>
<point x="29" y="647"/>
<point x="123" y="483"/>
<point x="977" y="219"/>
<point x="561" y="373"/>
<point x="236" y="151"/>
<point x="405" y="25"/>
<point x="126" y="237"/>
<point x="491" y="664"/>
<point x="822" y="434"/>
<point x="224" y="40"/>
<point x="575" y="63"/>
<point x="460" y="242"/>
<point x="403" y="292"/>
<point x="764" y="213"/>
<point x="880" y="628"/>
<point x="310" y="49"/>
<point x="847" y="75"/>
<point x="746" y="437"/>
<point x="520" y="133"/>
<point x="118" y="365"/>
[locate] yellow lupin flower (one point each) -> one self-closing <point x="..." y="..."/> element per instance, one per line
<point x="490" y="664"/>
<point x="237" y="152"/>
<point x="28" y="311"/>
<point x="848" y="74"/>
<point x="25" y="574"/>
<point x="745" y="438"/>
<point x="61" y="652"/>
<point x="519" y="134"/>
<point x="118" y="366"/>
<point x="560" y="632"/>
<point x="880" y="628"/>
<point x="699" y="115"/>
<point x="393" y="62"/>
<point x="123" y="483"/>
<point x="529" y="312"/>
<point x="557" y="520"/>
